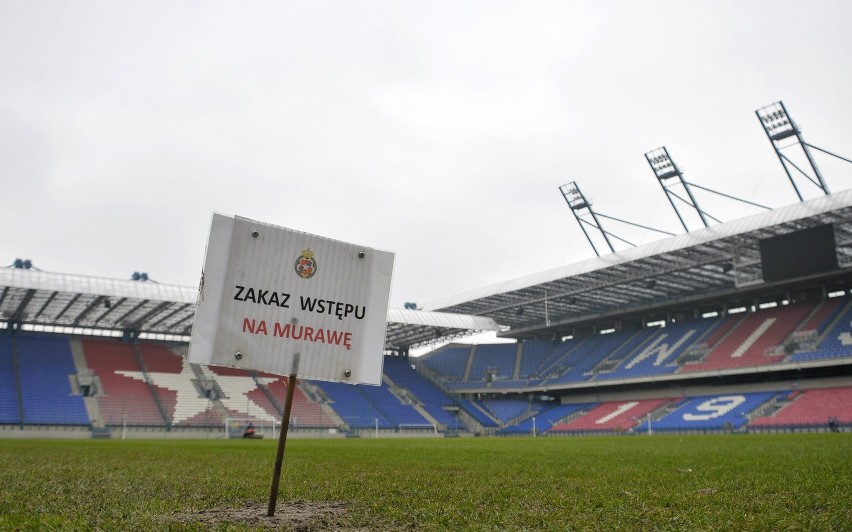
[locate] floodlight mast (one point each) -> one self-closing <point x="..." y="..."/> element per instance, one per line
<point x="577" y="202"/>
<point x="778" y="126"/>
<point x="664" y="169"/>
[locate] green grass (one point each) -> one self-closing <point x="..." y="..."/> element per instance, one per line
<point x="753" y="482"/>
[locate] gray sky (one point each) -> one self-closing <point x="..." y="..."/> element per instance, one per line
<point x="438" y="130"/>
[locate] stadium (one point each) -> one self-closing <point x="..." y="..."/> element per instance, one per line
<point x="744" y="326"/>
<point x="682" y="335"/>
<point x="735" y="328"/>
<point x="566" y="344"/>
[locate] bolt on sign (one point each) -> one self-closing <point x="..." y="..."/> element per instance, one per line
<point x="285" y="302"/>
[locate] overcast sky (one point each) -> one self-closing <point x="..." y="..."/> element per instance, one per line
<point x="440" y="131"/>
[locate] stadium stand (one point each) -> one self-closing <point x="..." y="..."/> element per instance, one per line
<point x="552" y="365"/>
<point x="631" y="327"/>
<point x="578" y="363"/>
<point x="506" y="410"/>
<point x="352" y="407"/>
<point x="241" y="394"/>
<point x="752" y="341"/>
<point x="614" y="416"/>
<point x="544" y="419"/>
<point x="172" y="378"/>
<point x="304" y="412"/>
<point x="478" y="413"/>
<point x="123" y="397"/>
<point x="45" y="369"/>
<point x="450" y="362"/>
<point x="534" y="355"/>
<point x="398" y="414"/>
<point x="809" y="408"/>
<point x="660" y="353"/>
<point x="834" y="344"/>
<point x="9" y="404"/>
<point x="713" y="412"/>
<point x="150" y="385"/>
<point x="493" y="362"/>
<point x="825" y="314"/>
<point x="434" y="401"/>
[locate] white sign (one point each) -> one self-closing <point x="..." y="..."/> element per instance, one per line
<point x="277" y="300"/>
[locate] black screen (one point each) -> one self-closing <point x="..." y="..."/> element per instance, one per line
<point x="796" y="254"/>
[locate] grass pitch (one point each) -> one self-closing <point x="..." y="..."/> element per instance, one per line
<point x="745" y="482"/>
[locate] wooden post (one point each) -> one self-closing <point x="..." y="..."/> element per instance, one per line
<point x="282" y="441"/>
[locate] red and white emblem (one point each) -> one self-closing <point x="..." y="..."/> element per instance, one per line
<point x="306" y="264"/>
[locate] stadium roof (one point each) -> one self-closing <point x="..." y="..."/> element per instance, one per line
<point x="63" y="301"/>
<point x="718" y="262"/>
<point x="713" y="266"/>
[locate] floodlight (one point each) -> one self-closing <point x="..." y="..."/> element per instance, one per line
<point x="662" y="164"/>
<point x="577" y="201"/>
<point x="778" y="125"/>
<point x="665" y="168"/>
<point x="776" y="122"/>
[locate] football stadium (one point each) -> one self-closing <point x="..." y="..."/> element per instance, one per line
<point x="740" y="327"/>
<point x="732" y="340"/>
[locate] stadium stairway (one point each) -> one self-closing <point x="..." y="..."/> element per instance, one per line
<point x="449" y="362"/>
<point x="492" y="360"/>
<point x="84" y="373"/>
<point x="508" y="411"/>
<point x="276" y="406"/>
<point x="468" y="367"/>
<point x="724" y="327"/>
<point x="550" y="366"/>
<point x="305" y="412"/>
<point x="392" y="407"/>
<point x="405" y="396"/>
<point x="533" y="354"/>
<point x="754" y="339"/>
<point x="835" y="341"/>
<point x="121" y="397"/>
<point x="142" y="366"/>
<point x="576" y="411"/>
<point x="606" y="369"/>
<point x="207" y="382"/>
<point x="483" y="422"/>
<point x="543" y="420"/>
<point x="823" y="315"/>
<point x="713" y="412"/>
<point x="809" y="408"/>
<point x="176" y="386"/>
<point x="432" y="399"/>
<point x="614" y="416"/>
<point x="315" y="395"/>
<point x="46" y="372"/>
<point x="355" y="410"/>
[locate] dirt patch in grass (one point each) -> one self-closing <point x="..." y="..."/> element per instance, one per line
<point x="289" y="515"/>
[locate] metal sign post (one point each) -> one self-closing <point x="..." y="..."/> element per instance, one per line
<point x="282" y="441"/>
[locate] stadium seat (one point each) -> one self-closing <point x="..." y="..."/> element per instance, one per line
<point x="45" y="366"/>
<point x="713" y="412"/>
<point x="809" y="408"/>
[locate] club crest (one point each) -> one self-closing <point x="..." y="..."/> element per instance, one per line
<point x="306" y="264"/>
